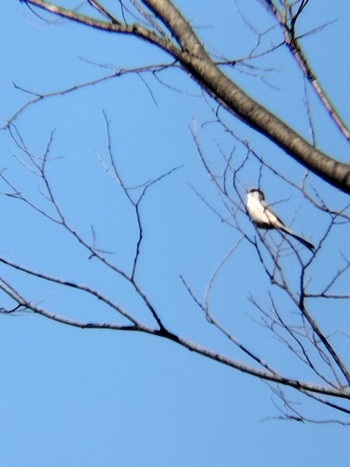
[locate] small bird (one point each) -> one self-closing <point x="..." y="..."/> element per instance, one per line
<point x="263" y="216"/>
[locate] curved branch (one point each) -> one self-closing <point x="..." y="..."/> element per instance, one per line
<point x="196" y="60"/>
<point x="164" y="333"/>
<point x="233" y="98"/>
<point x="109" y="26"/>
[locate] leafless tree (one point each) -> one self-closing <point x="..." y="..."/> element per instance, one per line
<point x="288" y="313"/>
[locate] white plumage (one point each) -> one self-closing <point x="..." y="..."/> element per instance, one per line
<point x="264" y="218"/>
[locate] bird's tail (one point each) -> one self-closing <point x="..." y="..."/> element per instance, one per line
<point x="302" y="240"/>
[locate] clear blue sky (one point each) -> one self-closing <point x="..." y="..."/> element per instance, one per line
<point x="72" y="397"/>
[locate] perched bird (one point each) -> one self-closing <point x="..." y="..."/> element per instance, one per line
<point x="264" y="218"/>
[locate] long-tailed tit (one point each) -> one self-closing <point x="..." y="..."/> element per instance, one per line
<point x="264" y="218"/>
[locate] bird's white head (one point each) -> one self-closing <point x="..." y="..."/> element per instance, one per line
<point x="256" y="193"/>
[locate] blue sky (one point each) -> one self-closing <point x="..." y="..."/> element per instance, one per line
<point x="86" y="397"/>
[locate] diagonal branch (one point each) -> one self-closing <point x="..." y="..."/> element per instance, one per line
<point x="197" y="62"/>
<point x="195" y="59"/>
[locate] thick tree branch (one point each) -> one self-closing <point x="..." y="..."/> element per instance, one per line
<point x="195" y="59"/>
<point x="222" y="89"/>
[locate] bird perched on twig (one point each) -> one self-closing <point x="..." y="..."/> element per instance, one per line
<point x="263" y="216"/>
